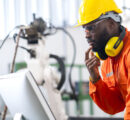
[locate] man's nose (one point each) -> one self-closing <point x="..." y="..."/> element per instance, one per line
<point x="88" y="34"/>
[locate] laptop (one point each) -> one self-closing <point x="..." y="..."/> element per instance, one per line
<point x="21" y="94"/>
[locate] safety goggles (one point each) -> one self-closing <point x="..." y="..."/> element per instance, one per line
<point x="92" y="28"/>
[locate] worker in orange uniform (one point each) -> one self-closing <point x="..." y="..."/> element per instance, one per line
<point x="110" y="42"/>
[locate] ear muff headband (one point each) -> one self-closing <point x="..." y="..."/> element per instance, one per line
<point x="122" y="35"/>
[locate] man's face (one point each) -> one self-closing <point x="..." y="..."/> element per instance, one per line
<point x="97" y="35"/>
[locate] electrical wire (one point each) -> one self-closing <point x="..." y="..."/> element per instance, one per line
<point x="61" y="68"/>
<point x="51" y="30"/>
<point x="7" y="36"/>
<point x="73" y="59"/>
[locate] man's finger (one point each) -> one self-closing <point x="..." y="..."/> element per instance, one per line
<point x="91" y="61"/>
<point x="92" y="54"/>
<point x="87" y="53"/>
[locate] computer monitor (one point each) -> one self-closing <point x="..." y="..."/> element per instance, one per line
<point x="21" y="94"/>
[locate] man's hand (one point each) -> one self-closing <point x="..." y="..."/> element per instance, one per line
<point x="92" y="63"/>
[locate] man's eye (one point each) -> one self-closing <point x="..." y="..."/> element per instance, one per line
<point x="90" y="28"/>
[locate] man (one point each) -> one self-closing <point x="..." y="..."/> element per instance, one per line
<point x="110" y="90"/>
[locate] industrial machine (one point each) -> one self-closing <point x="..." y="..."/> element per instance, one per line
<point x="38" y="64"/>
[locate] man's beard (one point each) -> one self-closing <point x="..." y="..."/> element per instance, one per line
<point x="101" y="43"/>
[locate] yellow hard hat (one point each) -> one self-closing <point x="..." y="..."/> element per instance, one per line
<point x="90" y="10"/>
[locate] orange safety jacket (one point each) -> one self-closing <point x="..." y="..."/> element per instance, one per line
<point x="112" y="92"/>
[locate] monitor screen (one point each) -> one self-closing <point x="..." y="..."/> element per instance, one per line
<point x="21" y="94"/>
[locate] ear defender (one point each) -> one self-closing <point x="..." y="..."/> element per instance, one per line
<point x="113" y="46"/>
<point x="101" y="54"/>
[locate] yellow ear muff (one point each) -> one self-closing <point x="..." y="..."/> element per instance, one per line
<point x="97" y="55"/>
<point x="113" y="46"/>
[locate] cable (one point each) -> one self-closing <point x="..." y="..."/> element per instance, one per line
<point x="30" y="51"/>
<point x="62" y="70"/>
<point x="45" y="100"/>
<point x="52" y="31"/>
<point x="73" y="59"/>
<point x="9" y="35"/>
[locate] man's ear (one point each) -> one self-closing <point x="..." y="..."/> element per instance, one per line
<point x="111" y="25"/>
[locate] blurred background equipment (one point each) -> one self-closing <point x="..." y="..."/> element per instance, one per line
<point x="38" y="63"/>
<point x="39" y="66"/>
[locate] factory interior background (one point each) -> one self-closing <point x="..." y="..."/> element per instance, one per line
<point x="57" y="13"/>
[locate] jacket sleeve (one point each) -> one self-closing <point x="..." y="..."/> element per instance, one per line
<point x="127" y="112"/>
<point x="106" y="95"/>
